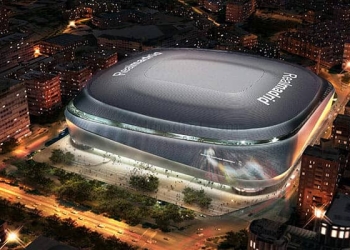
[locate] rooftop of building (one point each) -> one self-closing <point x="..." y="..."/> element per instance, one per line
<point x="65" y="39"/>
<point x="327" y="153"/>
<point x="342" y="119"/>
<point x="279" y="233"/>
<point x="29" y="64"/>
<point x="136" y="32"/>
<point x="268" y="230"/>
<point x="7" y="83"/>
<point x="10" y="38"/>
<point x="339" y="211"/>
<point x="37" y="75"/>
<point x="301" y="232"/>
<point x="105" y="53"/>
<point x="76" y="66"/>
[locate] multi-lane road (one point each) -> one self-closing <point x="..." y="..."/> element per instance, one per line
<point x="193" y="237"/>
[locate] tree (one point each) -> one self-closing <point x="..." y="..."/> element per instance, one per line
<point x="236" y="240"/>
<point x="69" y="158"/>
<point x="9" y="145"/>
<point x="144" y="182"/>
<point x="58" y="156"/>
<point x="165" y="215"/>
<point x="196" y="196"/>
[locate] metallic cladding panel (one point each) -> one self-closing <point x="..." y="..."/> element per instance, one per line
<point x="254" y="166"/>
<point x="156" y="105"/>
<point x="225" y="110"/>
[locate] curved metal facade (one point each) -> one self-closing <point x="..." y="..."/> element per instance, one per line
<point x="243" y="156"/>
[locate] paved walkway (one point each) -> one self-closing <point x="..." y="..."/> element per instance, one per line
<point x="114" y="169"/>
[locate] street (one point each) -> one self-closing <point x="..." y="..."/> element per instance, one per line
<point x="143" y="237"/>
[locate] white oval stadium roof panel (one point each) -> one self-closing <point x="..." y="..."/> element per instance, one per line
<point x="207" y="88"/>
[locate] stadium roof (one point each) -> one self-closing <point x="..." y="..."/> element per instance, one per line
<point x="214" y="89"/>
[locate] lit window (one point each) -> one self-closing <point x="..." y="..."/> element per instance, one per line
<point x="341" y="235"/>
<point x="323" y="230"/>
<point x="334" y="233"/>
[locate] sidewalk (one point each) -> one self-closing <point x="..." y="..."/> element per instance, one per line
<point x="116" y="170"/>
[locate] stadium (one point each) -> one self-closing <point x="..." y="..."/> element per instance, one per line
<point x="230" y="118"/>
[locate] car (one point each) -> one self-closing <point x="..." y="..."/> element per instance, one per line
<point x="134" y="240"/>
<point x="64" y="212"/>
<point x="74" y="212"/>
<point x="166" y="238"/>
<point x="101" y="225"/>
<point x="120" y="232"/>
<point x="80" y="218"/>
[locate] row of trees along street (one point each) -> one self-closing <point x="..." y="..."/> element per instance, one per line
<point x="133" y="207"/>
<point x="65" y="230"/>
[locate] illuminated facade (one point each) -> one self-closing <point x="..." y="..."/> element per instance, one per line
<point x="341" y="132"/>
<point x="224" y="117"/>
<point x="239" y="11"/>
<point x="4" y="20"/>
<point x="14" y="49"/>
<point x="44" y="94"/>
<point x="14" y="113"/>
<point x="319" y="177"/>
<point x="73" y="78"/>
<point x="213" y="5"/>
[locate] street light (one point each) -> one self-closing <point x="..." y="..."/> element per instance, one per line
<point x="319" y="214"/>
<point x="13" y="236"/>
